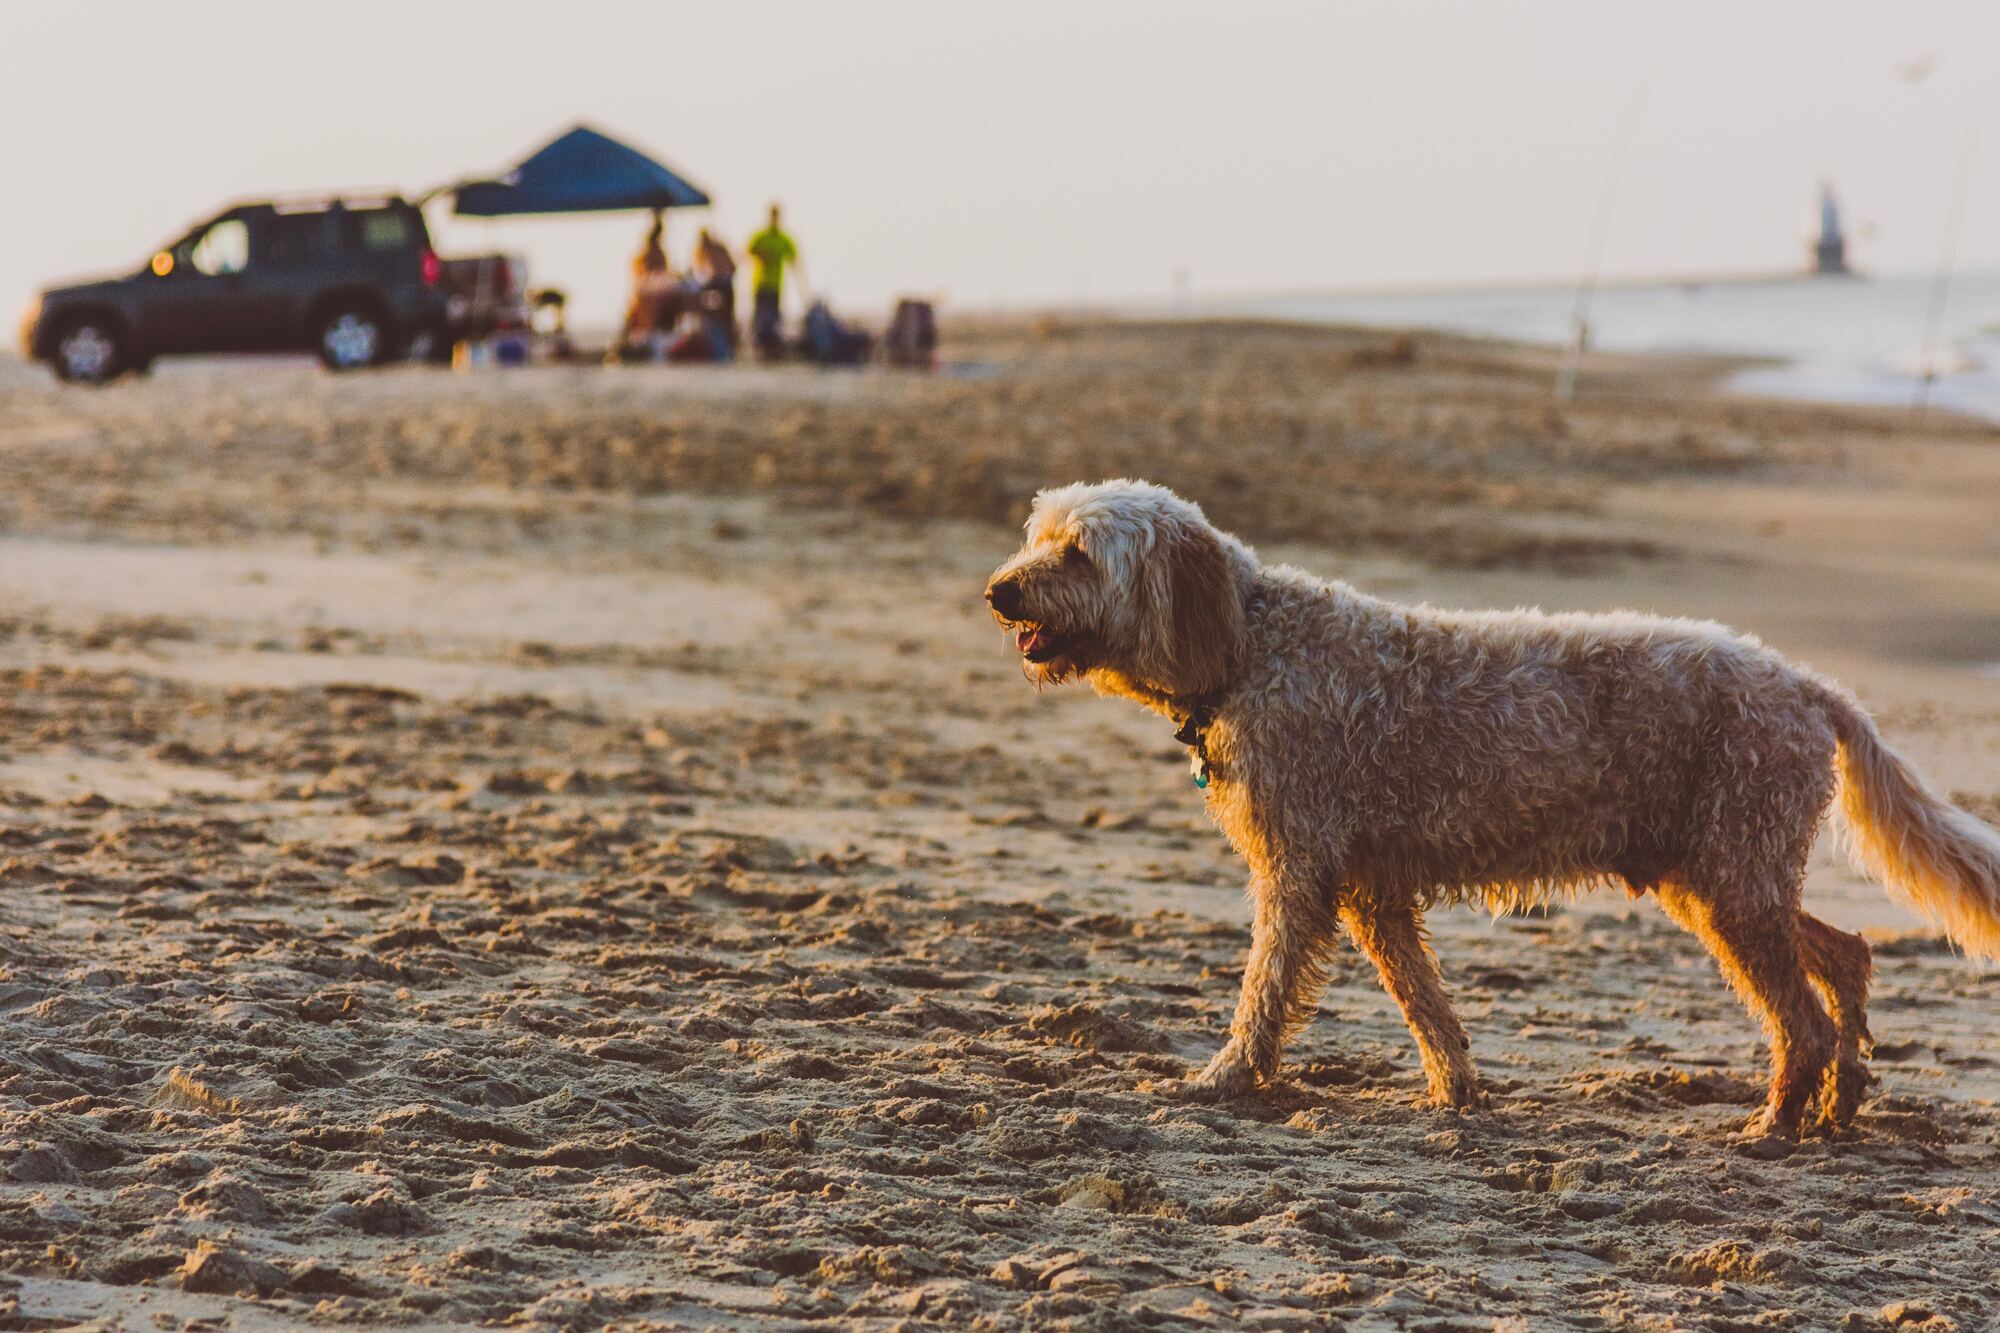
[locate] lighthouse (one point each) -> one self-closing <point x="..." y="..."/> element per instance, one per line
<point x="1829" y="246"/>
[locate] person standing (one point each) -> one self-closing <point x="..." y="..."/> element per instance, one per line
<point x="771" y="251"/>
<point x="652" y="256"/>
<point x="717" y="269"/>
<point x="650" y="280"/>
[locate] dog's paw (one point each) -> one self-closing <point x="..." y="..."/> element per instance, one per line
<point x="1460" y="1091"/>
<point x="1228" y="1076"/>
<point x="1769" y="1126"/>
<point x="1846" y="1084"/>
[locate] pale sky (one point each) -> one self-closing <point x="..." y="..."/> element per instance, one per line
<point x="1032" y="152"/>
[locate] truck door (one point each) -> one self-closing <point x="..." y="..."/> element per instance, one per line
<point x="292" y="259"/>
<point x="196" y="302"/>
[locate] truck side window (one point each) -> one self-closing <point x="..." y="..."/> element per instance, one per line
<point x="383" y="228"/>
<point x="295" y="240"/>
<point x="223" y="248"/>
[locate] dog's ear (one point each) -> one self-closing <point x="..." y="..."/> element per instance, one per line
<point x="1202" y="619"/>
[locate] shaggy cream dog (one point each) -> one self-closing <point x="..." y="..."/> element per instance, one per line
<point x="1371" y="760"/>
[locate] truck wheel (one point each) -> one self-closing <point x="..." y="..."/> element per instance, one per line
<point x="351" y="337"/>
<point x="89" y="351"/>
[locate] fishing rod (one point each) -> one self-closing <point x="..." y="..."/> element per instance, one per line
<point x="1586" y="289"/>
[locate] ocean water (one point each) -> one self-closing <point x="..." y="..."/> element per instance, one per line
<point x="1852" y="339"/>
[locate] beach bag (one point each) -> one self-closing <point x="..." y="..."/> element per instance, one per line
<point x="831" y="342"/>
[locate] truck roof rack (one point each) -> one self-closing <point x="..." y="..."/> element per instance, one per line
<point x="312" y="202"/>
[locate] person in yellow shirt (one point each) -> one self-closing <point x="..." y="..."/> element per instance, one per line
<point x="771" y="253"/>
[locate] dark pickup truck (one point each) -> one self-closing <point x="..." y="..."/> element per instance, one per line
<point x="353" y="279"/>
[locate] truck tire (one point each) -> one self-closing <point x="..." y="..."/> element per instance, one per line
<point x="89" y="349"/>
<point x="352" y="336"/>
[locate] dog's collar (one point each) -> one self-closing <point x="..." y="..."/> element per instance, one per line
<point x="1196" y="716"/>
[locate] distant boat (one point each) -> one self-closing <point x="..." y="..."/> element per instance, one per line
<point x="1828" y="249"/>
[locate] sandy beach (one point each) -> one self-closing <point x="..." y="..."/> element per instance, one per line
<point x="566" y="848"/>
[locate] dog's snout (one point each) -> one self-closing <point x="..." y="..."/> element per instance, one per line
<point x="1004" y="596"/>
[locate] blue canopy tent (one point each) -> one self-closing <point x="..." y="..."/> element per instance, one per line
<point x="580" y="172"/>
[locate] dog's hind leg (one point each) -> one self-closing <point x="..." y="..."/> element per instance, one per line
<point x="1758" y="947"/>
<point x="1393" y="939"/>
<point x="1282" y="980"/>
<point x="1840" y="964"/>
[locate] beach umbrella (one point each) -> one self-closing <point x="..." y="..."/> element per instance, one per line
<point x="582" y="171"/>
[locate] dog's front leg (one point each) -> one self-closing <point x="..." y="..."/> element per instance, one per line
<point x="1282" y="978"/>
<point x="1393" y="938"/>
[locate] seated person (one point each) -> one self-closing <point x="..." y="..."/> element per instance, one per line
<point x="658" y="296"/>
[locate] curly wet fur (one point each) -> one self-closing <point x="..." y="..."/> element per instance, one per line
<point x="1371" y="760"/>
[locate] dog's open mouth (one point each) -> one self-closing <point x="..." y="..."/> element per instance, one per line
<point x="1039" y="643"/>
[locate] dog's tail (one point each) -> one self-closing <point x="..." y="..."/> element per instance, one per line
<point x="1936" y="859"/>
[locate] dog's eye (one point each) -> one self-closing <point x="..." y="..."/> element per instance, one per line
<point x="1072" y="554"/>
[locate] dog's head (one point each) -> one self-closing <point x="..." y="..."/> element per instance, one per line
<point x="1122" y="576"/>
